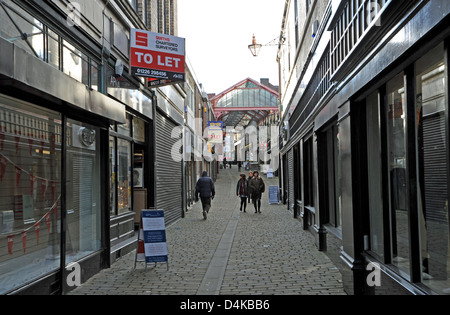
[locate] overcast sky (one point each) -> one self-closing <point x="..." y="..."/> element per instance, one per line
<point x="218" y="33"/>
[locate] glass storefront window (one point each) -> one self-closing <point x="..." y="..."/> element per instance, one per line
<point x="112" y="169"/>
<point x="396" y="102"/>
<point x="374" y="174"/>
<point x="30" y="193"/>
<point x="432" y="135"/>
<point x="123" y="175"/>
<point x="83" y="187"/>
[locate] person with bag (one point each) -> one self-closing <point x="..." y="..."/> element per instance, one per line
<point x="205" y="188"/>
<point x="242" y="191"/>
<point x="256" y="187"/>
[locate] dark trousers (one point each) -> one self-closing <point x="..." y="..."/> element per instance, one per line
<point x="244" y="202"/>
<point x="206" y="203"/>
<point x="256" y="197"/>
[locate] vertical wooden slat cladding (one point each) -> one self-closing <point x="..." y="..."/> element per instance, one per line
<point x="168" y="171"/>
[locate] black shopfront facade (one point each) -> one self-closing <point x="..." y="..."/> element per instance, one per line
<point x="71" y="138"/>
<point x="370" y="157"/>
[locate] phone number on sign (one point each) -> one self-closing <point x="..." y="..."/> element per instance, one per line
<point x="152" y="72"/>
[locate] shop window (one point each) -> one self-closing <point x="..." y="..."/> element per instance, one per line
<point x="30" y="193"/>
<point x="123" y="175"/>
<point x="397" y="116"/>
<point x="112" y="169"/>
<point x="127" y="156"/>
<point x="433" y="157"/>
<point x="424" y="219"/>
<point x="333" y="183"/>
<point x="308" y="175"/>
<point x="374" y="166"/>
<point x="83" y="186"/>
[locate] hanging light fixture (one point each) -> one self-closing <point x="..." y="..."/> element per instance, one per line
<point x="254" y="47"/>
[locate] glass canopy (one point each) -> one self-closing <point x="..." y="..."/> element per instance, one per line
<point x="246" y="101"/>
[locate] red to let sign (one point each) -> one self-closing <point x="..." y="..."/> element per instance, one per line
<point x="157" y="56"/>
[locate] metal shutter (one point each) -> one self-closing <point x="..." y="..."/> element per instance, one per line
<point x="169" y="173"/>
<point x="435" y="167"/>
<point x="291" y="197"/>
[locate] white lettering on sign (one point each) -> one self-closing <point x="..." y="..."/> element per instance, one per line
<point x="147" y="57"/>
<point x="168" y="61"/>
<point x="157" y="56"/>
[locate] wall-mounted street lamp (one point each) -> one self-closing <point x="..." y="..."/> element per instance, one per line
<point x="254" y="47"/>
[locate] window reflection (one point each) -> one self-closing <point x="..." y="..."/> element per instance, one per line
<point x="433" y="170"/>
<point x="396" y="102"/>
<point x="30" y="193"/>
<point x="124" y="175"/>
<point x="31" y="35"/>
<point x="83" y="181"/>
<point x="375" y="170"/>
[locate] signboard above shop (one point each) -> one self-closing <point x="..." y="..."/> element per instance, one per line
<point x="215" y="131"/>
<point x="158" y="57"/>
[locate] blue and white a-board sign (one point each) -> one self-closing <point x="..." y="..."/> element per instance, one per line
<point x="273" y="195"/>
<point x="153" y="237"/>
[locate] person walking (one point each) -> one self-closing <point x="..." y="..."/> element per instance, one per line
<point x="257" y="187"/>
<point x="205" y="188"/>
<point x="242" y="191"/>
<point x="250" y="176"/>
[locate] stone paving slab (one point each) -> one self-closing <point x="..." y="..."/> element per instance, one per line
<point x="230" y="253"/>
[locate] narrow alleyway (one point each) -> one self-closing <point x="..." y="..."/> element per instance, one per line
<point x="230" y="253"/>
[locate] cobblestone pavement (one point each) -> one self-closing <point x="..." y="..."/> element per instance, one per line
<point x="230" y="253"/>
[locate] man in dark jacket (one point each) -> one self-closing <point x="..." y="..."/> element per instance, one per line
<point x="205" y="187"/>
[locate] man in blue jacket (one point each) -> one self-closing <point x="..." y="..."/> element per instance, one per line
<point x="205" y="187"/>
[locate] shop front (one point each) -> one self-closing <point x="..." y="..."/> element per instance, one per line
<point x="52" y="209"/>
<point x="367" y="144"/>
<point x="53" y="162"/>
<point x="406" y="164"/>
<point x="131" y="153"/>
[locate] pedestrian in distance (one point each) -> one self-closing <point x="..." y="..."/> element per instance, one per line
<point x="242" y="191"/>
<point x="257" y="187"/>
<point x="250" y="176"/>
<point x="205" y="188"/>
<point x="224" y="163"/>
